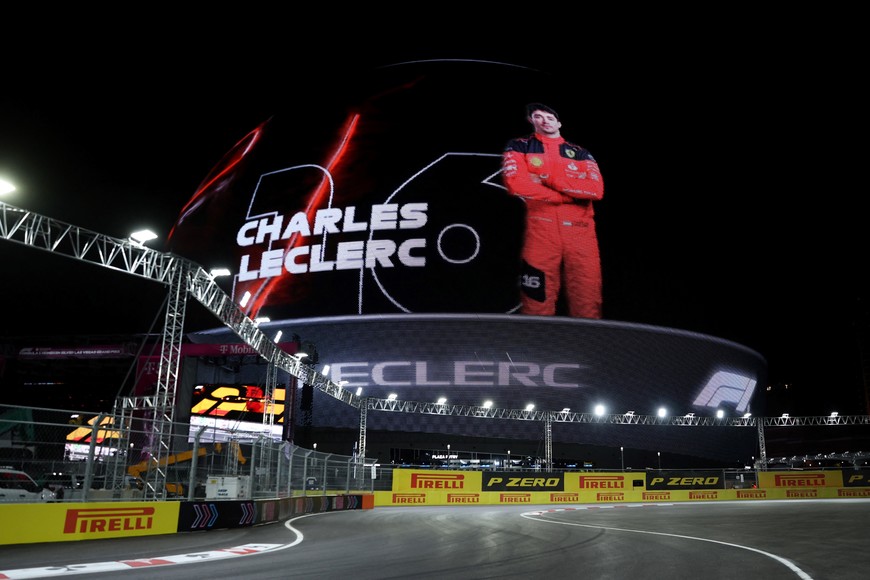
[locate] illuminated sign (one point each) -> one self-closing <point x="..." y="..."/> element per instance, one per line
<point x="515" y="497"/>
<point x="461" y="373"/>
<point x="237" y="402"/>
<point x="799" y="480"/>
<point x="497" y="481"/>
<point x="853" y="493"/>
<point x="684" y="480"/>
<point x="801" y="493"/>
<point x="350" y="255"/>
<point x="463" y="498"/>
<point x="601" y="482"/>
<point x="409" y="498"/>
<point x="98" y="520"/>
<point x="856" y="477"/>
<point x="436" y="481"/>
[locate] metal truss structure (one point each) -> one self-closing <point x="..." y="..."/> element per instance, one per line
<point x="185" y="278"/>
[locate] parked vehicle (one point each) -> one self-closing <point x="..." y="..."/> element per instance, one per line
<point x="17" y="486"/>
<point x="66" y="486"/>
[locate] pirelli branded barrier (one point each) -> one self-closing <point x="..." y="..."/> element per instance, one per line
<point x="445" y="487"/>
<point x="64" y="522"/>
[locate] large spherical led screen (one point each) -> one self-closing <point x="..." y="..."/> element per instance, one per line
<point x="381" y="195"/>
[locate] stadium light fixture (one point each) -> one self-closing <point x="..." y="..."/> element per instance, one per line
<point x="530" y="407"/>
<point x="487" y="404"/>
<point x="6" y="187"/>
<point x="325" y="370"/>
<point x="662" y="412"/>
<point x="392" y="397"/>
<point x="244" y="301"/>
<point x="599" y="410"/>
<point x="260" y="319"/>
<point x="442" y="400"/>
<point x="216" y="272"/>
<point x="359" y="391"/>
<point x="143" y="236"/>
<point x="278" y="335"/>
<point x="720" y="413"/>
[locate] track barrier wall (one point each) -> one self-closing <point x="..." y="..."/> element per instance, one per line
<point x="445" y="487"/>
<point x="67" y="522"/>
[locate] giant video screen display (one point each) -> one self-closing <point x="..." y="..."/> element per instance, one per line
<point x="390" y="196"/>
<point x="431" y="227"/>
<point x="552" y="363"/>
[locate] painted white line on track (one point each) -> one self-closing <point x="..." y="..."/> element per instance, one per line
<point x="157" y="561"/>
<point x="537" y="516"/>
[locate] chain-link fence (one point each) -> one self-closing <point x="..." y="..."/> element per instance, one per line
<point x="107" y="457"/>
<point x="117" y="456"/>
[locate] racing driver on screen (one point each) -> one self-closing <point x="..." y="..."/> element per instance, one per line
<point x="559" y="181"/>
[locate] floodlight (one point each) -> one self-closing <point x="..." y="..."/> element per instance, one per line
<point x="142" y="236"/>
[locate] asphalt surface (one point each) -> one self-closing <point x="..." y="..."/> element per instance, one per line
<point x="806" y="539"/>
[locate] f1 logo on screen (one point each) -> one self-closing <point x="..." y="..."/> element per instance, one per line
<point x="725" y="387"/>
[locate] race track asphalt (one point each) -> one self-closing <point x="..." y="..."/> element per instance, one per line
<point x="806" y="539"/>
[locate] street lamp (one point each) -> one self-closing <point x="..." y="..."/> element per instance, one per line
<point x="660" y="458"/>
<point x="622" y="457"/>
<point x="509" y="459"/>
<point x="448" y="456"/>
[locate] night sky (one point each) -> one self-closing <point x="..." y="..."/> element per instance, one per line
<point x="727" y="209"/>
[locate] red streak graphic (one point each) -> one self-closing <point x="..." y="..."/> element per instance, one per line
<point x="261" y="296"/>
<point x="221" y="170"/>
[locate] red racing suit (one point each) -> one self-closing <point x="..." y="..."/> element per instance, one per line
<point x="558" y="181"/>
